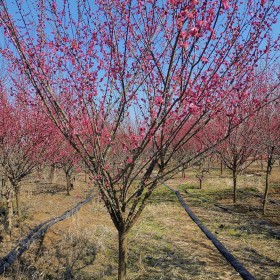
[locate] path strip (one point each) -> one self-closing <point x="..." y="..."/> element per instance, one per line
<point x="244" y="273"/>
<point x="36" y="233"/>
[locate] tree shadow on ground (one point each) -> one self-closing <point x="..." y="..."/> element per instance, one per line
<point x="264" y="266"/>
<point x="49" y="188"/>
<point x="166" y="260"/>
<point x="67" y="259"/>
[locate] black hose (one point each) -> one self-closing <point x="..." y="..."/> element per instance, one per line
<point x="245" y="274"/>
<point x="36" y="233"/>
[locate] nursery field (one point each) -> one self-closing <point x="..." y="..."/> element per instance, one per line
<point x="172" y="107"/>
<point x="164" y="244"/>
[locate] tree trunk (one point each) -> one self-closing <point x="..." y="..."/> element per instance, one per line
<point x="268" y="170"/>
<point x="234" y="177"/>
<point x="52" y="172"/>
<point x="261" y="165"/>
<point x="122" y="255"/>
<point x="265" y="193"/>
<point x="68" y="182"/>
<point x="18" y="202"/>
<point x="3" y="184"/>
<point x="221" y="168"/>
<point x="9" y="212"/>
<point x="183" y="172"/>
<point x="200" y="184"/>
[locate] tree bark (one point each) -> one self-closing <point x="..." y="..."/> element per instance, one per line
<point x="268" y="170"/>
<point x="265" y="193"/>
<point x="9" y="211"/>
<point x="85" y="176"/>
<point x="18" y="202"/>
<point x="68" y="182"/>
<point x="39" y="172"/>
<point x="3" y="184"/>
<point x="234" y="177"/>
<point x="200" y="184"/>
<point x="122" y="235"/>
<point x="52" y="172"/>
<point x="183" y="172"/>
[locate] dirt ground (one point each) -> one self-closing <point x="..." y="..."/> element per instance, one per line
<point x="164" y="244"/>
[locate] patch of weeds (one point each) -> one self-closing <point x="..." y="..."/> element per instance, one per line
<point x="25" y="215"/>
<point x="103" y="231"/>
<point x="184" y="187"/>
<point x="251" y="189"/>
<point x="162" y="196"/>
<point x="222" y="194"/>
<point x="196" y="202"/>
<point x="234" y="232"/>
<point x="154" y="228"/>
<point x="274" y="186"/>
<point x="203" y="197"/>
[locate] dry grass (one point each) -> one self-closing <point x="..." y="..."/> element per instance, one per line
<point x="254" y="239"/>
<point x="164" y="244"/>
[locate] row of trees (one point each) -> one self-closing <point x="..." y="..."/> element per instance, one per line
<point x="256" y="139"/>
<point x="28" y="140"/>
<point x="132" y="84"/>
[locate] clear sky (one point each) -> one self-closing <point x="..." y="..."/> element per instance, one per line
<point x="12" y="7"/>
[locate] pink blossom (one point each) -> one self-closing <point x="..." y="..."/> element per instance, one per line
<point x="75" y="45"/>
<point x="225" y="4"/>
<point x="73" y="60"/>
<point x="175" y="2"/>
<point x="185" y="45"/>
<point x="51" y="44"/>
<point x="54" y="5"/>
<point x="194" y="31"/>
<point x="204" y="59"/>
<point x="158" y="100"/>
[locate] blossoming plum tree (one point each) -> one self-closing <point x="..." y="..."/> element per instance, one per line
<point x="123" y="79"/>
<point x="240" y="149"/>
